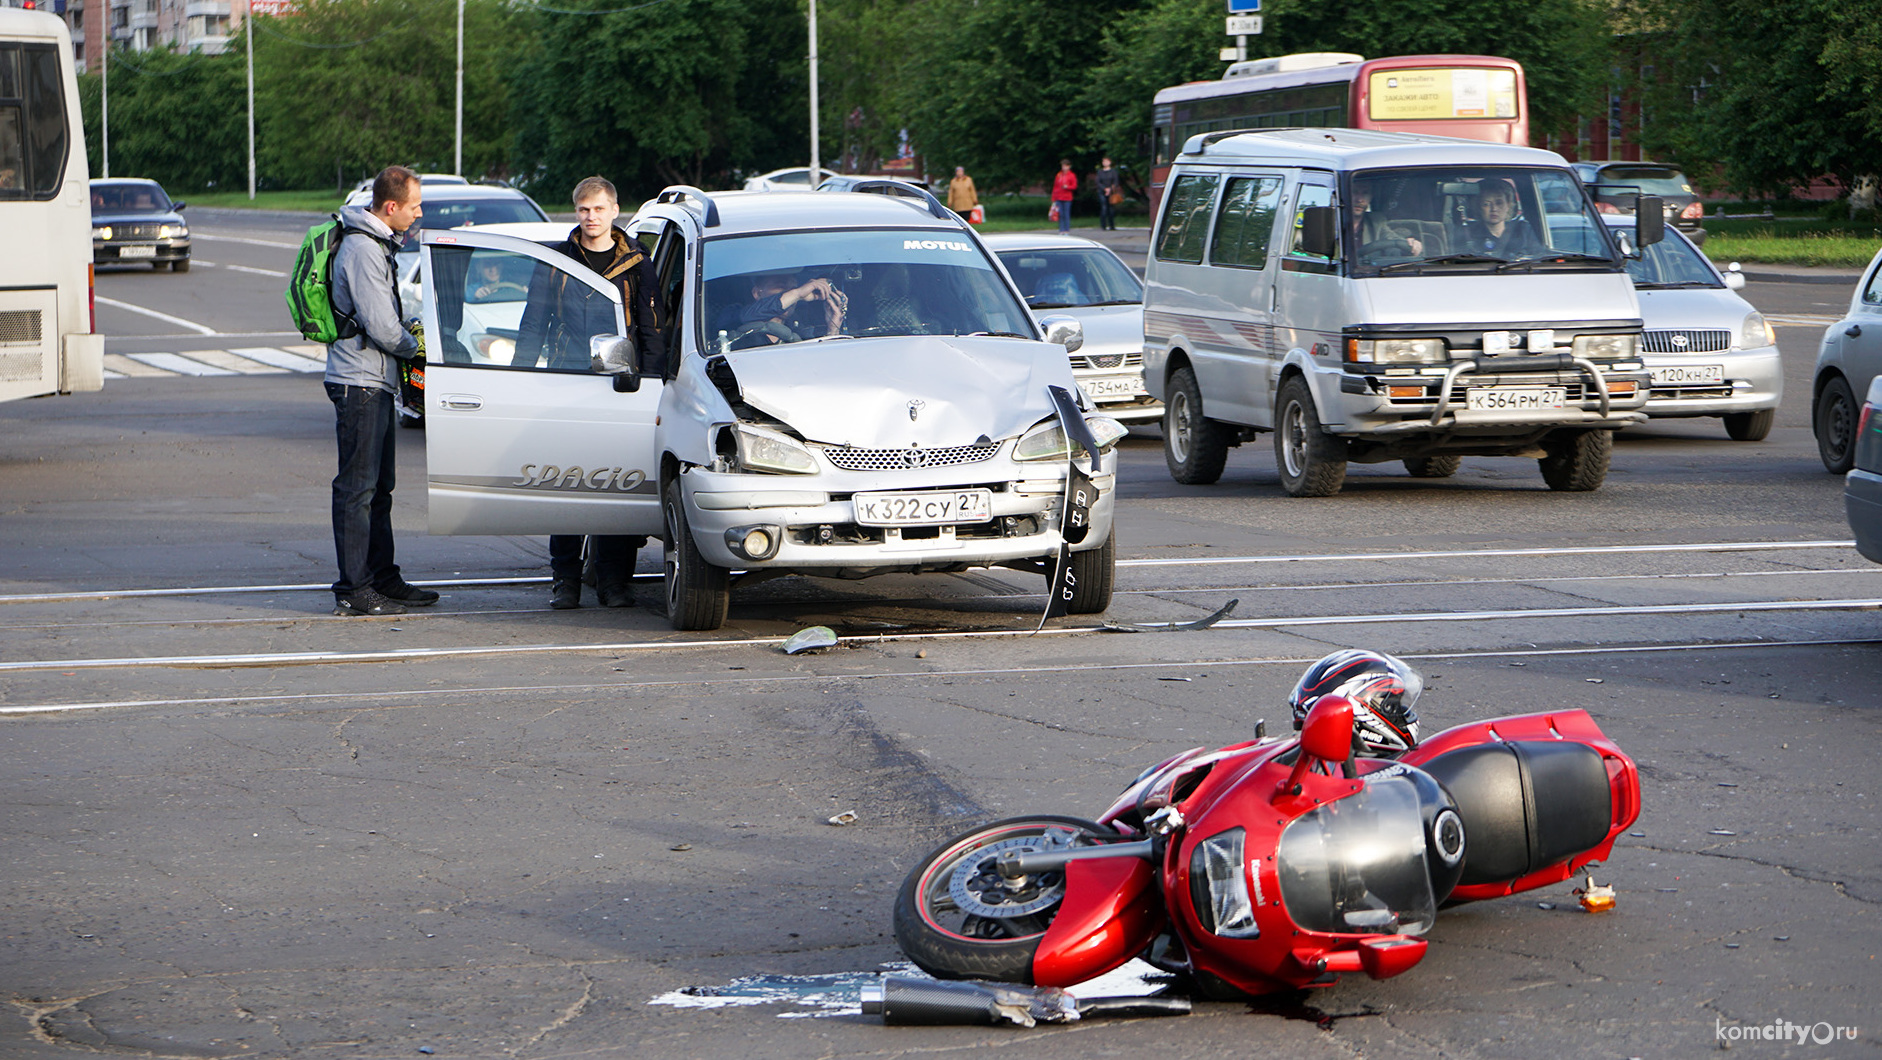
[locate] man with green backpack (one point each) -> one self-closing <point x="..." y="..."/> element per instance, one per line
<point x="362" y="378"/>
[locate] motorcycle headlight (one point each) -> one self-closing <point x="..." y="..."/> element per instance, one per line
<point x="1047" y="441"/>
<point x="1756" y="331"/>
<point x="1218" y="886"/>
<point x="102" y="232"/>
<point x="1607" y="347"/>
<point x="1395" y="351"/>
<point x="768" y="451"/>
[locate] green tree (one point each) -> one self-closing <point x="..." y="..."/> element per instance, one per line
<point x="863" y="45"/>
<point x="346" y="87"/>
<point x="176" y="118"/>
<point x="676" y="92"/>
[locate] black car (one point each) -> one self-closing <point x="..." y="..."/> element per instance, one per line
<point x="1615" y="186"/>
<point x="134" y="223"/>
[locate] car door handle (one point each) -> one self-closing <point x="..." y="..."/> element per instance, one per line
<point x="464" y="402"/>
<point x="1854" y="331"/>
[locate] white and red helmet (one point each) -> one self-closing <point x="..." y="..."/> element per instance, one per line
<point x="1384" y="691"/>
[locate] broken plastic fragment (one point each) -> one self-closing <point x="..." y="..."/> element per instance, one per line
<point x="846" y="817"/>
<point x="1167" y="627"/>
<point x="810" y="639"/>
<point x="1596" y="898"/>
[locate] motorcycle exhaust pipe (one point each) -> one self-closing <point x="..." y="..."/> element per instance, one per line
<point x="930" y="1002"/>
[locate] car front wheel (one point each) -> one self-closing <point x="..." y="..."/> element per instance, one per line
<point x="698" y="592"/>
<point x="1311" y="461"/>
<point x="1835" y="424"/>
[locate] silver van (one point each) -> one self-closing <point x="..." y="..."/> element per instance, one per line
<point x="1372" y="296"/>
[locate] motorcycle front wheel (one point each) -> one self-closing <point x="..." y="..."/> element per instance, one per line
<point x="956" y="917"/>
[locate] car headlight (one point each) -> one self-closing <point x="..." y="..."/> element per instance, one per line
<point x="1218" y="886"/>
<point x="101" y="232"/>
<point x="1395" y="351"/>
<point x="768" y="451"/>
<point x="172" y="231"/>
<point x="1756" y="331"/>
<point x="1047" y="441"/>
<point x="1607" y="347"/>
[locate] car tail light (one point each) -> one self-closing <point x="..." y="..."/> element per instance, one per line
<point x="1694" y="211"/>
<point x="1862" y="425"/>
<point x="91" y="295"/>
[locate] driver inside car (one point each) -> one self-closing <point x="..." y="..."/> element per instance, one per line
<point x="781" y="312"/>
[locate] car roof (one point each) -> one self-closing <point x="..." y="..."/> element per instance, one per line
<point x="1038" y="241"/>
<point x="1348" y="149"/>
<point x="538" y="231"/>
<point x="126" y="180"/>
<point x="741" y="212"/>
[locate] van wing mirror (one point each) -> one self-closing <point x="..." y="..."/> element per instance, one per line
<point x="1649" y="221"/>
<point x="1319" y="231"/>
<point x="615" y="355"/>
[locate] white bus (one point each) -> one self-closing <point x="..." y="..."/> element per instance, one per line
<point x="48" y="344"/>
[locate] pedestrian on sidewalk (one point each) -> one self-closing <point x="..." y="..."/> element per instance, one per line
<point x="362" y="379"/>
<point x="1110" y="193"/>
<point x="962" y="198"/>
<point x="1064" y="186"/>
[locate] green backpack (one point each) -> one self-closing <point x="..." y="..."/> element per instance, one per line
<point x="310" y="286"/>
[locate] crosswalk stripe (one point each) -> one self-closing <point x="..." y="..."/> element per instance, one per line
<point x="125" y="367"/>
<point x="279" y="358"/>
<point x="1801" y="319"/>
<point x="234" y="363"/>
<point x="178" y="363"/>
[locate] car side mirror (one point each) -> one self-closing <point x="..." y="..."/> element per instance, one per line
<point x="615" y="355"/>
<point x="1064" y="331"/>
<point x="179" y="207"/>
<point x="1734" y="278"/>
<point x="1319" y="231"/>
<point x="1649" y="220"/>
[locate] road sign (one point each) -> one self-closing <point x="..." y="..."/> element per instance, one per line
<point x="1244" y="25"/>
<point x="1244" y="7"/>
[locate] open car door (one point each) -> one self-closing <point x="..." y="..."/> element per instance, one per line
<point x="523" y="436"/>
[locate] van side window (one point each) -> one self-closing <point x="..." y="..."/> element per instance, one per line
<point x="1310" y="195"/>
<point x="1186" y="219"/>
<point x="1245" y="223"/>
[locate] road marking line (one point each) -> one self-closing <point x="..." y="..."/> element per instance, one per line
<point x="109" y="374"/>
<point x="920" y="675"/>
<point x="165" y="317"/>
<point x="259" y="272"/>
<point x="125" y="367"/>
<point x="1591" y="550"/>
<point x="234" y="363"/>
<point x="1802" y="319"/>
<point x="178" y="363"/>
<point x="307" y="658"/>
<point x="251" y="242"/>
<point x="280" y="358"/>
<point x="209" y="590"/>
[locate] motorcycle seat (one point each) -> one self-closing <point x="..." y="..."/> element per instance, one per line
<point x="1526" y="804"/>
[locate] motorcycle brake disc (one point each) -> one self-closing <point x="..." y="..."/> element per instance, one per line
<point x="978" y="889"/>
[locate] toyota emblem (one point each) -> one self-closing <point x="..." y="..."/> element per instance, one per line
<point x="1681" y="341"/>
<point x="914" y="458"/>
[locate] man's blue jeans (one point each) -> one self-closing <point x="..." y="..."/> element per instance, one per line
<point x="367" y="426"/>
<point x="1065" y="216"/>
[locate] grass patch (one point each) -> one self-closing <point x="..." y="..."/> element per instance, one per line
<point x="1023" y="213"/>
<point x="1772" y="246"/>
<point x="313" y="201"/>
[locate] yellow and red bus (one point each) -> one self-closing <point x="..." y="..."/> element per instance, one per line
<point x="1476" y="97"/>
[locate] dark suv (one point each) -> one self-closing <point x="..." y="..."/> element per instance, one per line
<point x="1615" y="185"/>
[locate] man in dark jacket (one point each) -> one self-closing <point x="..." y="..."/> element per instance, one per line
<point x="362" y="377"/>
<point x="554" y="332"/>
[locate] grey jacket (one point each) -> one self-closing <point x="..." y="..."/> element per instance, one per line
<point x="364" y="289"/>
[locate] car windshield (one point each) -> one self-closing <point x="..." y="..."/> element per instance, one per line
<point x="1672" y="262"/>
<point x="1652" y="180"/>
<point x="129" y="198"/>
<point x="1064" y="278"/>
<point x="1483" y="218"/>
<point x="445" y="213"/>
<point x="796" y="286"/>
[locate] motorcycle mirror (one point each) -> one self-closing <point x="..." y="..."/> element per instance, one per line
<point x="1327" y="733"/>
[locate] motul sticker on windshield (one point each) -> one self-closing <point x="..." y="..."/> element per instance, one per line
<point x="937" y="244"/>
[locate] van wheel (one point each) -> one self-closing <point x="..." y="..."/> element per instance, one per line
<point x="1835" y="424"/>
<point x="697" y="591"/>
<point x="1433" y="466"/>
<point x="1311" y="461"/>
<point x="1749" y="426"/>
<point x="1093" y="573"/>
<point x="1577" y="460"/>
<point x="1194" y="446"/>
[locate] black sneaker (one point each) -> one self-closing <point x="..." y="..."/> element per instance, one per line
<point x="366" y="602"/>
<point x="614" y="594"/>
<point x="566" y="594"/>
<point x="406" y="593"/>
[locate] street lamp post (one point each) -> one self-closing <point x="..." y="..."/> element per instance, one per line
<point x="104" y="101"/>
<point x="248" y="28"/>
<point x="816" y="162"/>
<point x="457" y="156"/>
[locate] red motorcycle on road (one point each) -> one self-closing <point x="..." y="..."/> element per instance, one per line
<point x="1280" y="863"/>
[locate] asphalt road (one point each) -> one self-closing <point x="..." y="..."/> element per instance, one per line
<point x="238" y="826"/>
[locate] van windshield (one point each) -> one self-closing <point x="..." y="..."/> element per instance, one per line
<point x="1477" y="218"/>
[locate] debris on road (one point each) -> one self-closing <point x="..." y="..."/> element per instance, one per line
<point x="810" y="639"/>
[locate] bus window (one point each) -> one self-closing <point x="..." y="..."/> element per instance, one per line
<point x="32" y="122"/>
<point x="1186" y="221"/>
